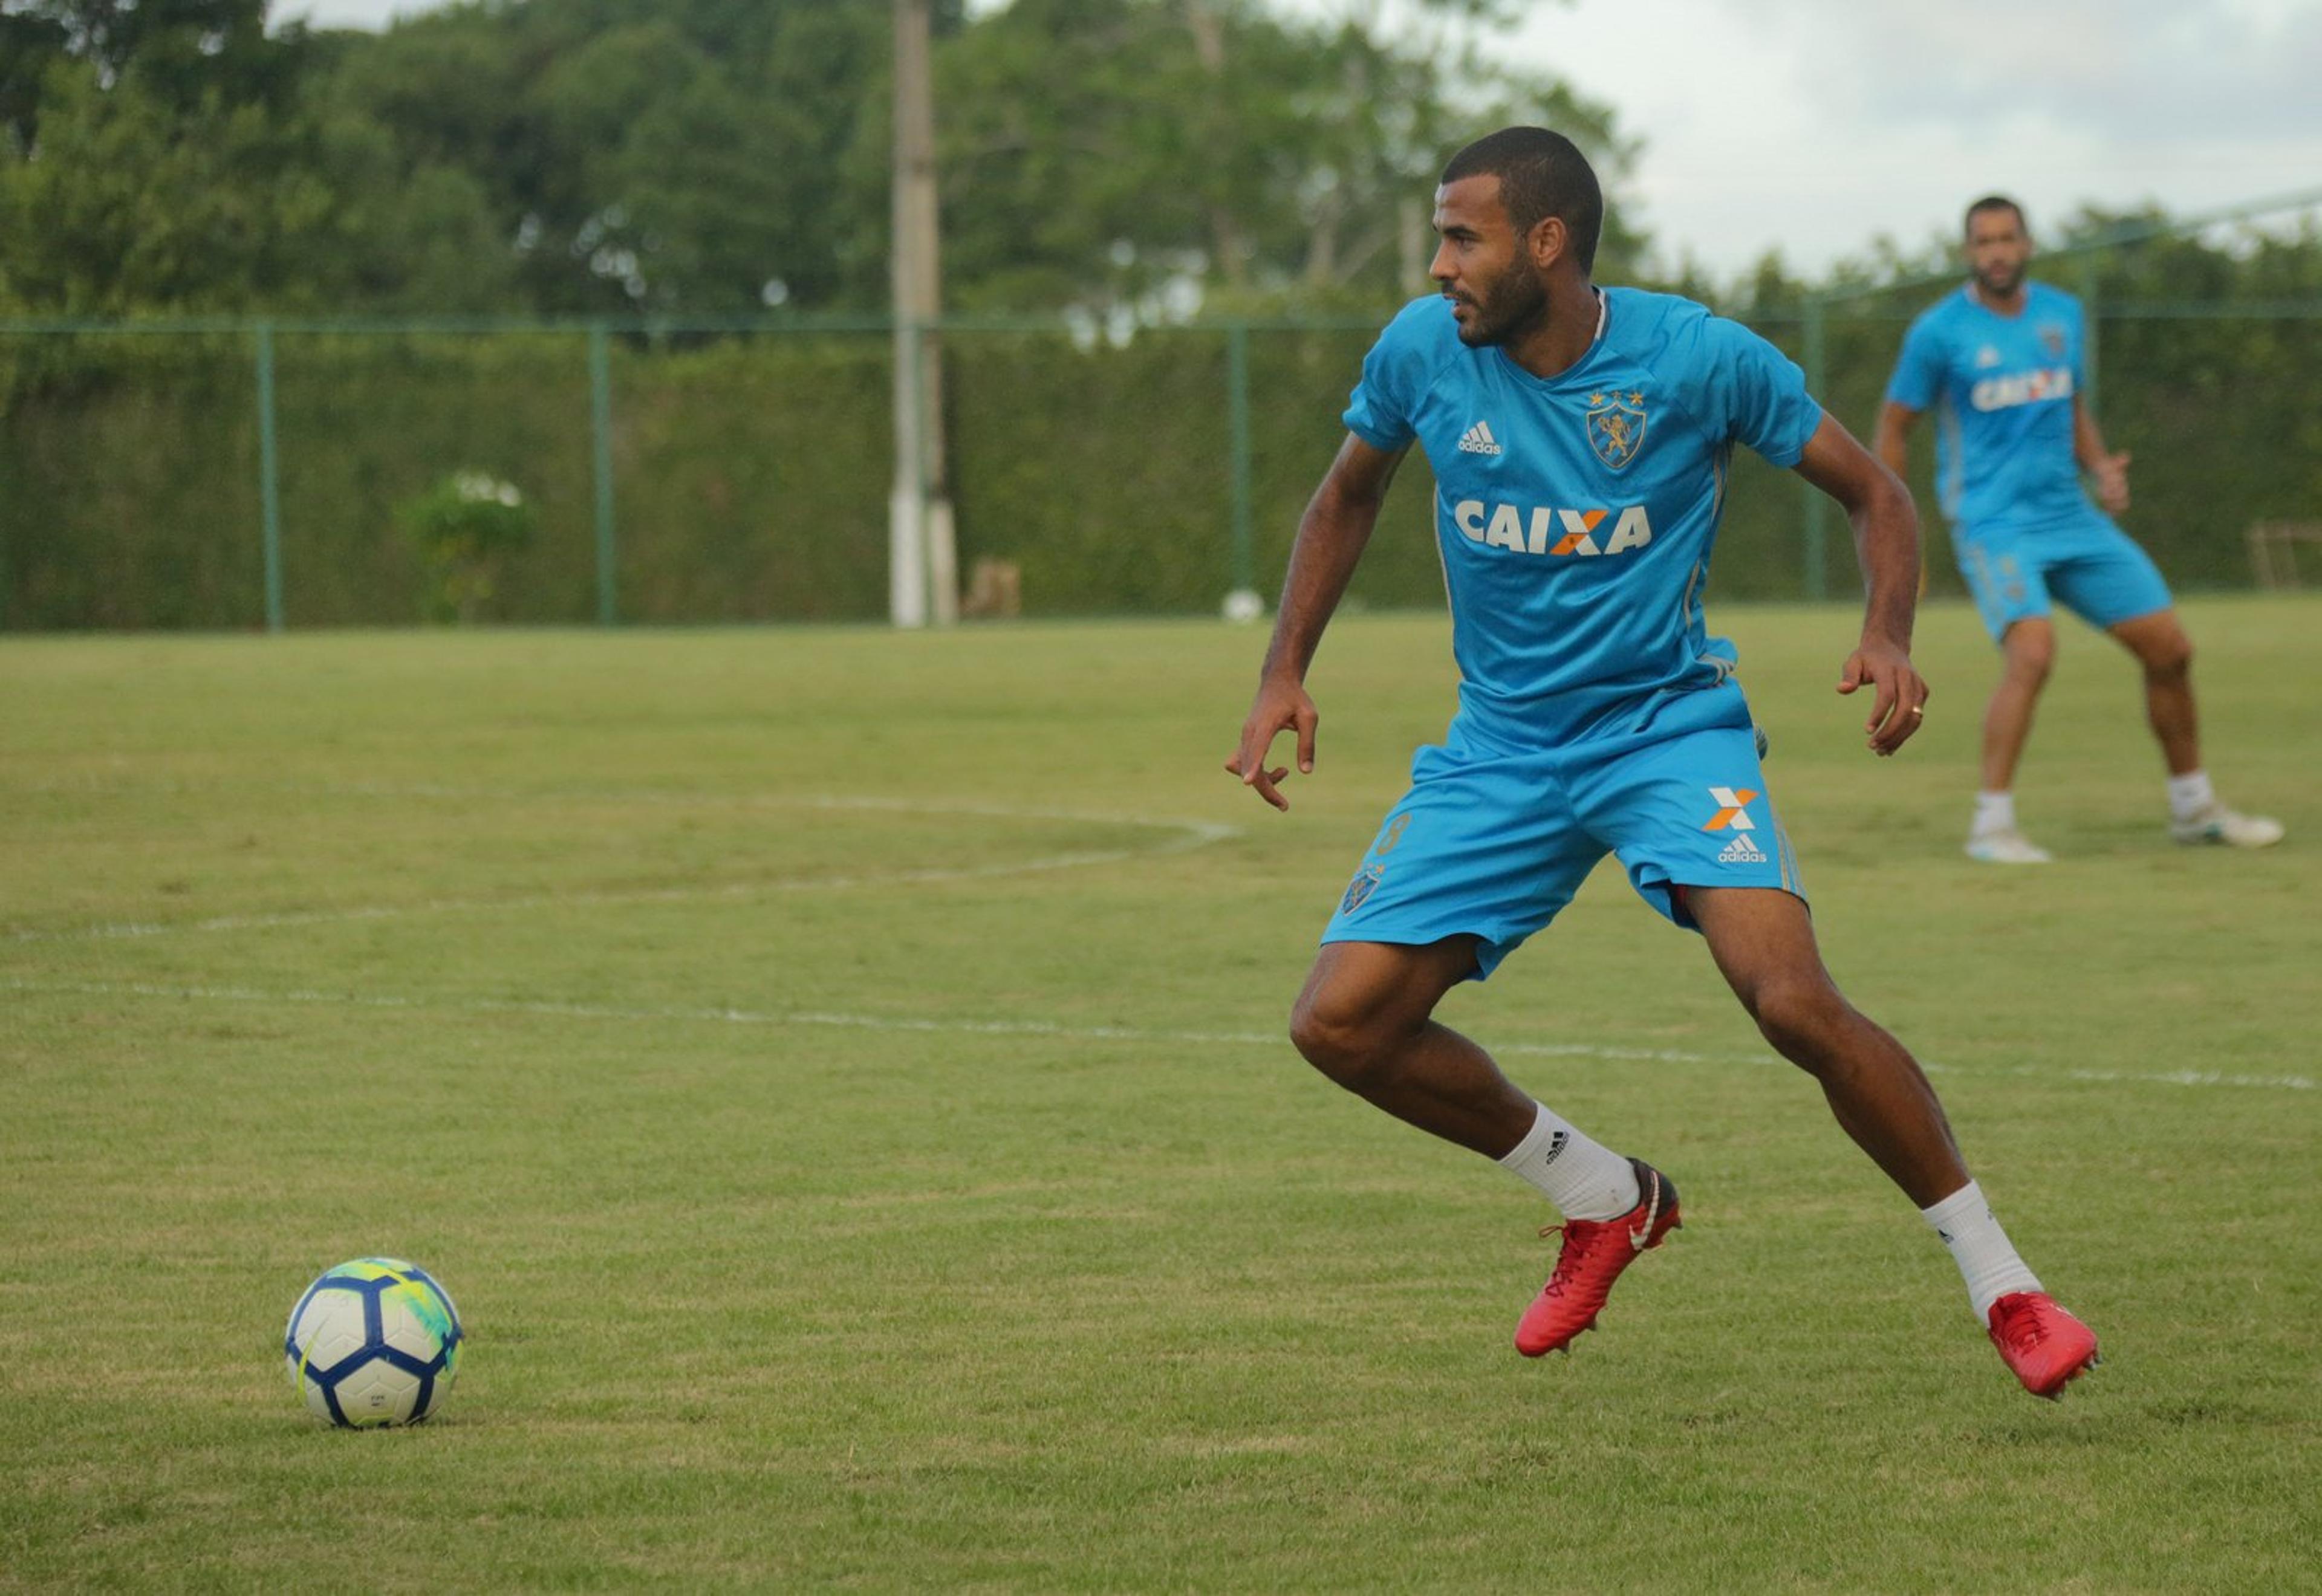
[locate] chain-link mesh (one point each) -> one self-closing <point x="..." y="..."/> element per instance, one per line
<point x="751" y="469"/>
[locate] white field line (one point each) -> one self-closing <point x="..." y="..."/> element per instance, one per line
<point x="1190" y="835"/>
<point x="1193" y="834"/>
<point x="1047" y="1029"/>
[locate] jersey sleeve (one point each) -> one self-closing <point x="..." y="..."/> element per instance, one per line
<point x="1759" y="392"/>
<point x="1395" y="374"/>
<point x="1919" y="369"/>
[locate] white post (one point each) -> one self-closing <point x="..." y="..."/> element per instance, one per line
<point x="907" y="570"/>
<point x="942" y="562"/>
<point x="923" y="558"/>
<point x="906" y="575"/>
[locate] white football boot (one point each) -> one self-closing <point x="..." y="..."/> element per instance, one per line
<point x="2009" y="847"/>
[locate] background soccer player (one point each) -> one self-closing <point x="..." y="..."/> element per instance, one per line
<point x="1580" y="439"/>
<point x="2002" y="359"/>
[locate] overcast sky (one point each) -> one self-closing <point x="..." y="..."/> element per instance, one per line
<point x="1814" y="125"/>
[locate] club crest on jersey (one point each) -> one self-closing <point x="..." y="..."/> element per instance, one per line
<point x="2051" y="339"/>
<point x="1616" y="427"/>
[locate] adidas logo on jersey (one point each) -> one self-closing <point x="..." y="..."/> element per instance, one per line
<point x="1478" y="439"/>
<point x="1742" y="850"/>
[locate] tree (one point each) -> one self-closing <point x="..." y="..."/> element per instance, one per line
<point x="133" y="203"/>
<point x="663" y="154"/>
<point x="185" y="51"/>
<point x="29" y="43"/>
<point x="1131" y="157"/>
<point x="1138" y="153"/>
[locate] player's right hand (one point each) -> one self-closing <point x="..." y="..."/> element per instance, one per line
<point x="1280" y="707"/>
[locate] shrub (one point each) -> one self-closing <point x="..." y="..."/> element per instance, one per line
<point x="461" y="529"/>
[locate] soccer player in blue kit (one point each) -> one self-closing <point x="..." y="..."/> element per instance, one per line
<point x="1580" y="439"/>
<point x="2001" y="362"/>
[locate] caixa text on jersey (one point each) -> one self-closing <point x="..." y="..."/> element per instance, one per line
<point x="1546" y="531"/>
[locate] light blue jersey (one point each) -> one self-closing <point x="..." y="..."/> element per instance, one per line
<point x="2023" y="529"/>
<point x="2001" y="388"/>
<point x="1575" y="513"/>
<point x="1576" y="517"/>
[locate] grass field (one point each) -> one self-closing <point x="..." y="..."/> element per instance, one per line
<point x="841" y="1077"/>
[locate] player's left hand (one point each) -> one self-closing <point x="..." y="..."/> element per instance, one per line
<point x="2111" y="477"/>
<point x="1900" y="701"/>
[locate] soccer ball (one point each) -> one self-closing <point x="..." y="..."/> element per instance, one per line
<point x="373" y="1342"/>
<point x="1242" y="606"/>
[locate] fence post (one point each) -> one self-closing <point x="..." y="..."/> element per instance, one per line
<point x="601" y="435"/>
<point x="1245" y="568"/>
<point x="1817" y="530"/>
<point x="269" y="492"/>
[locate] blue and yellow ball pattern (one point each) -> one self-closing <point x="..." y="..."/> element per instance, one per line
<point x="373" y="1342"/>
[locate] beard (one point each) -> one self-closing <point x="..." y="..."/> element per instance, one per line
<point x="2000" y="281"/>
<point x="1515" y="303"/>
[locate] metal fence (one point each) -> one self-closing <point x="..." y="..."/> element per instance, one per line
<point x="232" y="473"/>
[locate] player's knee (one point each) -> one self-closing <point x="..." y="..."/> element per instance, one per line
<point x="2171" y="657"/>
<point x="1804" y="1019"/>
<point x="1346" y="1040"/>
<point x="2031" y="655"/>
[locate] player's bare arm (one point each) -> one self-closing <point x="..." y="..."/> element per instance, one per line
<point x="1892" y="443"/>
<point x="1331" y="536"/>
<point x="1886" y="545"/>
<point x="2107" y="471"/>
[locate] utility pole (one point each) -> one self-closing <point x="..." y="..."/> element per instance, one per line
<point x="923" y="559"/>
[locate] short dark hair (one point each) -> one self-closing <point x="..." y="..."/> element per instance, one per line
<point x="1995" y="202"/>
<point x="1541" y="174"/>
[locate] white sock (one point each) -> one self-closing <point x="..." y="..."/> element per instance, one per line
<point x="1994" y="811"/>
<point x="2190" y="793"/>
<point x="1582" y="1179"/>
<point x="1987" y="1259"/>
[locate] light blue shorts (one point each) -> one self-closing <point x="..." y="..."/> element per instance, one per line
<point x="1492" y="844"/>
<point x="2085" y="563"/>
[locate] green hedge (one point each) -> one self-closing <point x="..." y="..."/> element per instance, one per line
<point x="129" y="483"/>
<point x="752" y="471"/>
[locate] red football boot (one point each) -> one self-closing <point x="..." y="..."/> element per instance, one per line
<point x="1595" y="1253"/>
<point x="2042" y="1345"/>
